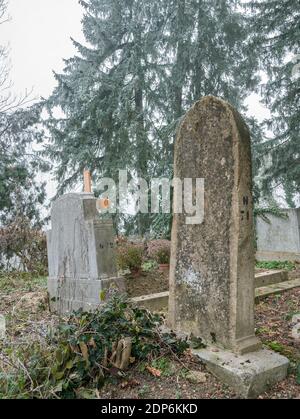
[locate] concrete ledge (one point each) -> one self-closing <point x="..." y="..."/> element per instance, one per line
<point x="153" y="302"/>
<point x="248" y="375"/>
<point x="263" y="279"/>
<point x="160" y="301"/>
<point x="277" y="288"/>
<point x="278" y="256"/>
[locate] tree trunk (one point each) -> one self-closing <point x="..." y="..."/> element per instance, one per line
<point x="141" y="137"/>
<point x="179" y="70"/>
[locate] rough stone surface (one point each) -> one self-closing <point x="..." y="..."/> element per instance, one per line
<point x="264" y="279"/>
<point x="212" y="264"/>
<point x="159" y="302"/>
<point x="81" y="254"/>
<point x="248" y="375"/>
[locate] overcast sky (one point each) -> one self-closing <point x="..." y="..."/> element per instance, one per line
<point x="38" y="35"/>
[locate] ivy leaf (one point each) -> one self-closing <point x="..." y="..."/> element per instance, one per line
<point x="84" y="351"/>
<point x="70" y="364"/>
<point x="102" y="295"/>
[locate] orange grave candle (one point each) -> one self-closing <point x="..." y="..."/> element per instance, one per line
<point x="103" y="204"/>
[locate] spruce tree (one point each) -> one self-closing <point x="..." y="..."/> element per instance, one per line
<point x="143" y="65"/>
<point x="277" y="29"/>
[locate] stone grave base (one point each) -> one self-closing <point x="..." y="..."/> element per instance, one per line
<point x="67" y="295"/>
<point x="264" y="256"/>
<point x="248" y="375"/>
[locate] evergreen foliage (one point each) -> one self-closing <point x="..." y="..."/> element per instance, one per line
<point x="277" y="29"/>
<point x="142" y="66"/>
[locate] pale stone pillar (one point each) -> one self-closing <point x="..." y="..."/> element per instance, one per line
<point x="81" y="254"/>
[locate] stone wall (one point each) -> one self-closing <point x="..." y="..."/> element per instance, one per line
<point x="279" y="239"/>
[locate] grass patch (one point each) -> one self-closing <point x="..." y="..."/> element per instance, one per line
<point x="164" y="365"/>
<point x="263" y="331"/>
<point x="286" y="265"/>
<point x="9" y="282"/>
<point x="282" y="350"/>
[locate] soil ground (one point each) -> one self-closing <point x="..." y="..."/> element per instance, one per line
<point x="24" y="305"/>
<point x="273" y="317"/>
<point x="147" y="283"/>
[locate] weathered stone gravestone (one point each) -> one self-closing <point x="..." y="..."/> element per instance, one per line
<point x="81" y="254"/>
<point x="212" y="264"/>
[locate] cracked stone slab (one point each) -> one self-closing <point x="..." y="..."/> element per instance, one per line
<point x="248" y="375"/>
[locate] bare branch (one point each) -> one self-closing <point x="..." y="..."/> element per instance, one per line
<point x="3" y="10"/>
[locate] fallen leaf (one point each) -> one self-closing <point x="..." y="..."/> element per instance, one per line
<point x="155" y="372"/>
<point x="129" y="384"/>
<point x="84" y="351"/>
<point x="92" y="343"/>
<point x="74" y="348"/>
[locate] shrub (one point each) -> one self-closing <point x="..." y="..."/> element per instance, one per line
<point x="160" y="251"/>
<point x="149" y="265"/>
<point x="130" y="256"/>
<point x="23" y="248"/>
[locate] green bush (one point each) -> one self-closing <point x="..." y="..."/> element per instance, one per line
<point x="160" y="251"/>
<point x="149" y="265"/>
<point x="130" y="256"/>
<point x="29" y="245"/>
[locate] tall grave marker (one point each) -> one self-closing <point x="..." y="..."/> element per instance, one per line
<point x="212" y="263"/>
<point x="81" y="253"/>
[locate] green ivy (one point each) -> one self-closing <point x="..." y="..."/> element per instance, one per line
<point x="77" y="354"/>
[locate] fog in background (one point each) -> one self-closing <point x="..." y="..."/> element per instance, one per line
<point x="38" y="35"/>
